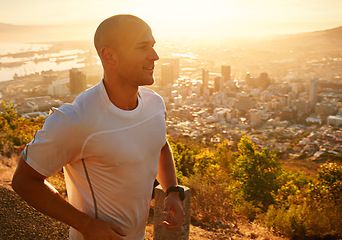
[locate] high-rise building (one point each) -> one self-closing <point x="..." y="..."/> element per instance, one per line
<point x="264" y="80"/>
<point x="49" y="78"/>
<point x="167" y="75"/>
<point x="205" y="79"/>
<point x="313" y="93"/>
<point x="173" y="61"/>
<point x="218" y="84"/>
<point x="225" y="71"/>
<point x="77" y="81"/>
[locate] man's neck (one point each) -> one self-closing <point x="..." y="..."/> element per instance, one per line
<point x="124" y="97"/>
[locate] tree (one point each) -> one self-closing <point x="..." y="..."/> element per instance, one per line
<point x="257" y="173"/>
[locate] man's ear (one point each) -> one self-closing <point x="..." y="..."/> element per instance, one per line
<point x="108" y="55"/>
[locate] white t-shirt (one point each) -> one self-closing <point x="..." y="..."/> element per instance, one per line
<point x="121" y="150"/>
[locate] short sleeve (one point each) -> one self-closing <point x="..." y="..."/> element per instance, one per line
<point x="57" y="143"/>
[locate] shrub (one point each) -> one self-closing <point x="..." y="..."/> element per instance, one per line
<point x="211" y="198"/>
<point x="257" y="173"/>
<point x="14" y="131"/>
<point x="330" y="177"/>
<point x="301" y="221"/>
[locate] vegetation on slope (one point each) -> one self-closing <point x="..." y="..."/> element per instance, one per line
<point x="228" y="182"/>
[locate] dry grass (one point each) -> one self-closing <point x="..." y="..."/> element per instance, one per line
<point x="305" y="165"/>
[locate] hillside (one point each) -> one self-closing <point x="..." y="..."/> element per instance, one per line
<point x="20" y="221"/>
<point x="325" y="41"/>
<point x="44" y="33"/>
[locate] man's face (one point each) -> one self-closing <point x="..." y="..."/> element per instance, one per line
<point x="136" y="56"/>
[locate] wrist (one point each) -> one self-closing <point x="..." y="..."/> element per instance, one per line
<point x="176" y="190"/>
<point x="84" y="222"/>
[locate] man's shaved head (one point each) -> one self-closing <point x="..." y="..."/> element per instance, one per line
<point x="118" y="29"/>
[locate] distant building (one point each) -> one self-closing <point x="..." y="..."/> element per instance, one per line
<point x="254" y="117"/>
<point x="289" y="114"/>
<point x="220" y="114"/>
<point x="313" y="120"/>
<point x="167" y="75"/>
<point x="276" y="105"/>
<point x="264" y="81"/>
<point x="313" y="93"/>
<point x="205" y="79"/>
<point x="251" y="82"/>
<point x="302" y="106"/>
<point x="326" y="86"/>
<point x="334" y="121"/>
<point x="174" y="67"/>
<point x="77" y="81"/>
<point x="34" y="115"/>
<point x="58" y="88"/>
<point x="225" y="71"/>
<point x="49" y="78"/>
<point x="231" y="113"/>
<point x="325" y="108"/>
<point x="218" y="84"/>
<point x="244" y="102"/>
<point x="42" y="103"/>
<point x="174" y="62"/>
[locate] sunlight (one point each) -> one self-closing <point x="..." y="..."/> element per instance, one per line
<point x="195" y="18"/>
<point x="185" y="18"/>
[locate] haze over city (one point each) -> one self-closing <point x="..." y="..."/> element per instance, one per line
<point x="192" y="19"/>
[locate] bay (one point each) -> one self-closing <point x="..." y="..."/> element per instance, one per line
<point x="25" y="59"/>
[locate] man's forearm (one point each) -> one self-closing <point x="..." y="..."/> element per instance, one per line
<point x="166" y="171"/>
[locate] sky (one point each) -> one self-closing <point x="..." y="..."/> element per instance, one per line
<point x="191" y="18"/>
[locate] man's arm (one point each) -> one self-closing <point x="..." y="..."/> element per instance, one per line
<point x="31" y="186"/>
<point x="166" y="176"/>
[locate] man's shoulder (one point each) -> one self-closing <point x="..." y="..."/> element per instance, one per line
<point x="87" y="101"/>
<point x="77" y="110"/>
<point x="87" y="96"/>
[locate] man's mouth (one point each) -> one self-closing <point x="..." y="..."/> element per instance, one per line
<point x="149" y="68"/>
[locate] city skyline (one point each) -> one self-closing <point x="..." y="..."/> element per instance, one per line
<point x="185" y="18"/>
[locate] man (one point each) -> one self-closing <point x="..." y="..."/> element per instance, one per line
<point x="111" y="142"/>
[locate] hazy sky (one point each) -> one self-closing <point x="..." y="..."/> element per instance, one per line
<point x="184" y="17"/>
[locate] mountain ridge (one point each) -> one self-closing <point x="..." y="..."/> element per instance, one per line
<point x="63" y="32"/>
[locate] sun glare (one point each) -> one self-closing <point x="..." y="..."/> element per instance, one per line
<point x="186" y="18"/>
<point x="224" y="17"/>
<point x="196" y="18"/>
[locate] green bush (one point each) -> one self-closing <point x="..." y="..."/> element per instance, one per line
<point x="257" y="173"/>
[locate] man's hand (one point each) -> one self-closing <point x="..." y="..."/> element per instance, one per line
<point x="97" y="229"/>
<point x="173" y="212"/>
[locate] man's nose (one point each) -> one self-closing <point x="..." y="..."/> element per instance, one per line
<point x="153" y="55"/>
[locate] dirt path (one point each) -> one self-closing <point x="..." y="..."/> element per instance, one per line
<point x="7" y="169"/>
